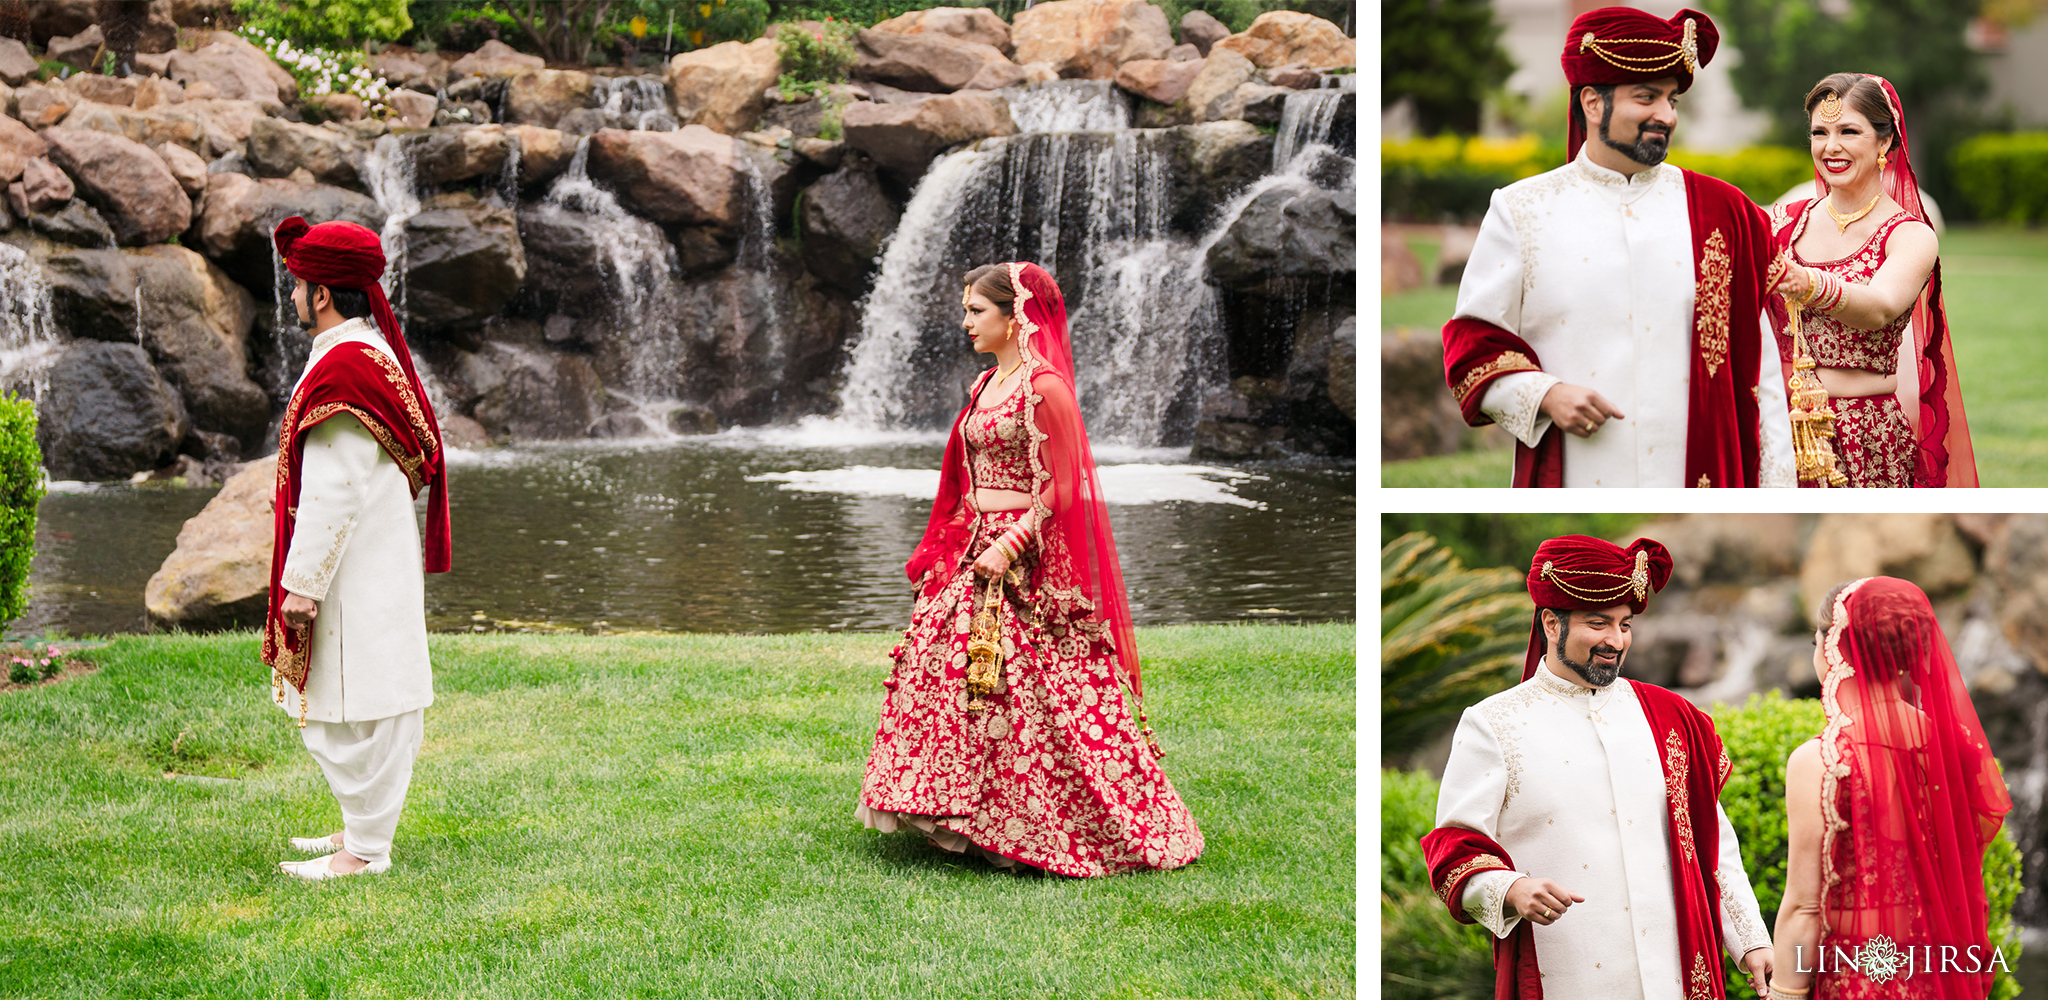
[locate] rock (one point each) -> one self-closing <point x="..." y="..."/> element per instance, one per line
<point x="462" y="113"/>
<point x="218" y="577"/>
<point x="16" y="65"/>
<point x="543" y="153"/>
<point x="1923" y="548"/>
<point x="335" y="107"/>
<point x="700" y="252"/>
<point x="124" y="180"/>
<point x="1400" y="269"/>
<point x="977" y="25"/>
<point x="583" y="121"/>
<point x="154" y="127"/>
<point x="1344" y="367"/>
<point x="237" y="214"/>
<point x="300" y="176"/>
<point x="1216" y="160"/>
<point x="277" y="147"/>
<point x="1234" y="439"/>
<point x="239" y="72"/>
<point x="1159" y="80"/>
<point x="155" y="92"/>
<point x="202" y="91"/>
<point x="685" y="176"/>
<point x="1039" y="72"/>
<point x="1294" y="77"/>
<point x="104" y="89"/>
<point x="495" y="59"/>
<point x="1089" y="39"/>
<point x="2017" y="562"/>
<point x="1256" y="103"/>
<point x="1183" y="53"/>
<point x="882" y="93"/>
<point x="542" y="97"/>
<point x="444" y="155"/>
<point x="903" y="138"/>
<point x="846" y="219"/>
<point x="18" y="145"/>
<point x="1720" y="549"/>
<point x="40" y="106"/>
<point x="1220" y="76"/>
<point x="1287" y="232"/>
<point x="751" y="366"/>
<point x="532" y="395"/>
<point x="1201" y="29"/>
<point x="425" y="71"/>
<point x="228" y="123"/>
<point x="458" y="431"/>
<point x="826" y="154"/>
<point x="74" y="223"/>
<point x="689" y="420"/>
<point x="77" y="50"/>
<point x="46" y="186"/>
<point x="719" y="87"/>
<point x="619" y="425"/>
<point x="412" y="108"/>
<point x="1418" y="416"/>
<point x="153" y="64"/>
<point x="185" y="166"/>
<point x="106" y="413"/>
<point x="933" y="63"/>
<point x="1279" y="37"/>
<point x="464" y="262"/>
<point x="193" y="320"/>
<point x="6" y="209"/>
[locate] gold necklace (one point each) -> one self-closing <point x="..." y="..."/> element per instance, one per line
<point x="1001" y="374"/>
<point x="1842" y="222"/>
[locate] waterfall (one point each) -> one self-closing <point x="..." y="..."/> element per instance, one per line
<point x="393" y="182"/>
<point x="28" y="338"/>
<point x="1304" y="120"/>
<point x="1068" y="106"/>
<point x="636" y="102"/>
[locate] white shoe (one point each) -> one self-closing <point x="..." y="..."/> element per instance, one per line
<point x="315" y="845"/>
<point x="319" y="868"/>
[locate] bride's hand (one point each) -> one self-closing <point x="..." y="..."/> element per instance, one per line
<point x="992" y="564"/>
<point x="1796" y="283"/>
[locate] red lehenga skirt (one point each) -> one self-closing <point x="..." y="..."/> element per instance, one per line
<point x="1052" y="773"/>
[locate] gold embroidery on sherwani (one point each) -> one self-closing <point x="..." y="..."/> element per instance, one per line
<point x="399" y="382"/>
<point x="1475" y="863"/>
<point x="1702" y="987"/>
<point x="1503" y="363"/>
<point x="1675" y="768"/>
<point x="414" y="467"/>
<point x="1717" y="274"/>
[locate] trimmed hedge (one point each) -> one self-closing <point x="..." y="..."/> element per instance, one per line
<point x="21" y="485"/>
<point x="2004" y="176"/>
<point x="1452" y="179"/>
<point x="1427" y="954"/>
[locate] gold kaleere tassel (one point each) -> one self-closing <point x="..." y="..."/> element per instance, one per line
<point x="1813" y="423"/>
<point x="985" y="650"/>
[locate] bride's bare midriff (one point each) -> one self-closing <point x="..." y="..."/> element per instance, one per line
<point x="995" y="500"/>
<point x="1856" y="382"/>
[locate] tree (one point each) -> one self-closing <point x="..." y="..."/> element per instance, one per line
<point x="1449" y="637"/>
<point x="122" y="22"/>
<point x="1238" y="15"/>
<point x="1444" y="56"/>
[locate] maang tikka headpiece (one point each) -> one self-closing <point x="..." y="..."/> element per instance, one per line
<point x="1830" y="108"/>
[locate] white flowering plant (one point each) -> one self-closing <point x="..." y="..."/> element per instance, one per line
<point x="325" y="71"/>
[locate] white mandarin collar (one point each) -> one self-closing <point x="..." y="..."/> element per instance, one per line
<point x="1628" y="185"/>
<point x="354" y="326"/>
<point x="1559" y="686"/>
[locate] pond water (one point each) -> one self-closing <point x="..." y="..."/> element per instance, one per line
<point x="761" y="531"/>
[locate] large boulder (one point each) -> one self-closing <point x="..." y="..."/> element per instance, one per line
<point x="543" y="96"/>
<point x="1221" y="74"/>
<point x="228" y="123"/>
<point x="116" y="90"/>
<point x="932" y="63"/>
<point x="846" y="219"/>
<point x="759" y="347"/>
<point x="42" y="105"/>
<point x="45" y="187"/>
<point x="411" y="69"/>
<point x="1279" y="37"/>
<point x="156" y="92"/>
<point x="978" y="25"/>
<point x="450" y="153"/>
<point x="73" y="223"/>
<point x="2016" y="561"/>
<point x="495" y="59"/>
<point x="239" y="73"/>
<point x="685" y="176"/>
<point x="903" y="138"/>
<point x="1287" y="232"/>
<point x="530" y="394"/>
<point x="107" y="414"/>
<point x="1089" y="39"/>
<point x="412" y="108"/>
<point x="1160" y="80"/>
<point x="720" y="87"/>
<point x="219" y="575"/>
<point x="1200" y="29"/>
<point x="464" y="261"/>
<point x="193" y="320"/>
<point x="18" y="145"/>
<point x="543" y="153"/>
<point x="127" y="182"/>
<point x="278" y="147"/>
<point x="77" y="51"/>
<point x="16" y="65"/>
<point x="1923" y="548"/>
<point x="1214" y="161"/>
<point x="186" y="166"/>
<point x="238" y="212"/>
<point x="154" y="127"/>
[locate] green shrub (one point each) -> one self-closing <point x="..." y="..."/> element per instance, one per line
<point x="1424" y="953"/>
<point x="811" y="60"/>
<point x="1452" y="179"/>
<point x="2004" y="176"/>
<point x="21" y="486"/>
<point x="1762" y="172"/>
<point x="335" y="24"/>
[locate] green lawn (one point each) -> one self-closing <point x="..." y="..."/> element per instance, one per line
<point x="653" y="817"/>
<point x="1995" y="281"/>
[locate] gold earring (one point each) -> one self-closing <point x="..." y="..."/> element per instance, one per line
<point x="1880" y="161"/>
<point x="1011" y="331"/>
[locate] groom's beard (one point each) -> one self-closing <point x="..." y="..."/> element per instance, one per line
<point x="1589" y="671"/>
<point x="1652" y="145"/>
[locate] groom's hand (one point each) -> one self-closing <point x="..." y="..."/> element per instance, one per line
<point x="1539" y="900"/>
<point x="1576" y="409"/>
<point x="1757" y="961"/>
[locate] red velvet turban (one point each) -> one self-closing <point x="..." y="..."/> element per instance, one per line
<point x="335" y="254"/>
<point x="1625" y="45"/>
<point x="1576" y="572"/>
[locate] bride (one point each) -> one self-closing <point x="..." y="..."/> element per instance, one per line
<point x="1888" y="813"/>
<point x="1862" y="276"/>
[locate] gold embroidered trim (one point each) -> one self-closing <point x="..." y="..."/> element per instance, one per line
<point x="1502" y="364"/>
<point x="1705" y="483"/>
<point x="1746" y="930"/>
<point x="414" y="468"/>
<point x="1498" y="715"/>
<point x="1675" y="770"/>
<point x="1832" y="767"/>
<point x="1686" y="50"/>
<point x="1724" y="767"/>
<point x="396" y="375"/>
<point x="1473" y="864"/>
<point x="1636" y="582"/>
<point x="1717" y="273"/>
<point x="1702" y="987"/>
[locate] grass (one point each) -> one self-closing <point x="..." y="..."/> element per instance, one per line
<point x="652" y="817"/>
<point x="1995" y="283"/>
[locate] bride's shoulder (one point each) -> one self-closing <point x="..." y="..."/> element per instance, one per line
<point x="1804" y="758"/>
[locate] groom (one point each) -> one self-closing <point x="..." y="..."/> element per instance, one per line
<point x="1578" y="818"/>
<point x="1610" y="316"/>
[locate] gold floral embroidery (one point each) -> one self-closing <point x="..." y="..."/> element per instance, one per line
<point x="1675" y="770"/>
<point x="1836" y="345"/>
<point x="1832" y="767"/>
<point x="1702" y="980"/>
<point x="1723" y="767"/>
<point x="396" y="376"/>
<point x="1747" y="932"/>
<point x="1499" y="712"/>
<point x="1473" y="864"/>
<point x="1705" y="483"/>
<point x="1502" y="364"/>
<point x="413" y="466"/>
<point x="324" y="574"/>
<point x="1717" y="273"/>
<point x="1873" y="443"/>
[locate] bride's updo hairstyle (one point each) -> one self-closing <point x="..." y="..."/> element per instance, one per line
<point x="1865" y="97"/>
<point x="993" y="282"/>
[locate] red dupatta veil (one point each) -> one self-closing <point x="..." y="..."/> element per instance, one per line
<point x="1077" y="568"/>
<point x="1933" y="399"/>
<point x="1908" y="779"/>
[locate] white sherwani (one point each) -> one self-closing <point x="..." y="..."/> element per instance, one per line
<point x="356" y="550"/>
<point x="1569" y="783"/>
<point x="1595" y="271"/>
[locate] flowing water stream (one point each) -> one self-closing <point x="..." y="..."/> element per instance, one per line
<point x="28" y="340"/>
